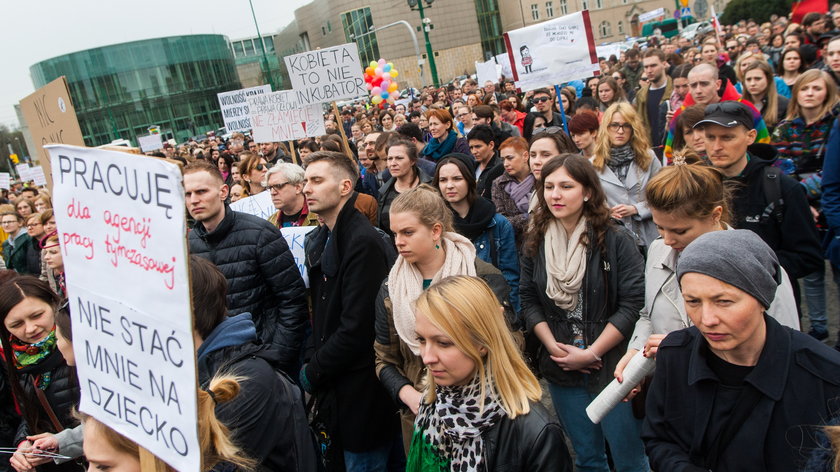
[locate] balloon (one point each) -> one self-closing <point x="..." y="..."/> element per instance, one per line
<point x="391" y="64"/>
<point x="368" y="78"/>
<point x="378" y="72"/>
<point x="377" y="81"/>
<point x="395" y="95"/>
<point x="394" y="73"/>
<point x="373" y="64"/>
<point x="392" y="86"/>
<point x="382" y="62"/>
<point x="384" y="94"/>
<point x="369" y="86"/>
<point x="386" y="68"/>
<point x="385" y="83"/>
<point x="369" y="70"/>
<point x="375" y="91"/>
<point x="376" y="100"/>
<point x="386" y="75"/>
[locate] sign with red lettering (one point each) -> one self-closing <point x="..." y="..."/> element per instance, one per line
<point x="122" y="230"/>
<point x="277" y="116"/>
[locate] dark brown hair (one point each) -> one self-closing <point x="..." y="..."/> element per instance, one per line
<point x="204" y="166"/>
<point x="337" y="161"/>
<point x="209" y="295"/>
<point x="469" y="177"/>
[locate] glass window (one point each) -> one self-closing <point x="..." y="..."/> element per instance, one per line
<point x="585" y="5"/>
<point x="599" y="4"/>
<point x="564" y="7"/>
<point x="249" y="47"/>
<point x="605" y="29"/>
<point x="549" y="9"/>
<point x="490" y="27"/>
<point x="620" y="27"/>
<point x="535" y="12"/>
<point x="357" y="25"/>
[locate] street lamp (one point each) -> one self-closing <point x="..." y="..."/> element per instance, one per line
<point x="266" y="69"/>
<point x="426" y="25"/>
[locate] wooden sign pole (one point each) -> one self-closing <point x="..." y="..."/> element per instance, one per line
<point x="150" y="463"/>
<point x="340" y="124"/>
<point x="294" y="154"/>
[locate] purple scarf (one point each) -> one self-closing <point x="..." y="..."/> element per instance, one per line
<point x="520" y="191"/>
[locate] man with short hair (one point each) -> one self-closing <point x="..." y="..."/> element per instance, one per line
<point x="263" y="278"/>
<point x="733" y="49"/>
<point x="710" y="54"/>
<point x="814" y="25"/>
<point x="653" y="93"/>
<point x="271" y="152"/>
<point x="347" y="261"/>
<point x="632" y="68"/>
<point x="765" y="201"/>
<point x="545" y="106"/>
<point x="285" y="183"/>
<point x="228" y="345"/>
<point x="488" y="166"/>
<point x="237" y="143"/>
<point x="375" y="174"/>
<point x="29" y="193"/>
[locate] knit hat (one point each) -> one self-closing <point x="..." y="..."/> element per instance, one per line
<point x="737" y="257"/>
<point x="468" y="161"/>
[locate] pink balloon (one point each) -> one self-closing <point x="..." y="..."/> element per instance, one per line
<point x="369" y="86"/>
<point x="382" y="62"/>
<point x="375" y="91"/>
<point x="395" y="94"/>
<point x="386" y="75"/>
<point x="378" y="72"/>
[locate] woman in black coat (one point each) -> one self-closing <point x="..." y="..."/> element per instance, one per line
<point x="737" y="391"/>
<point x="33" y="361"/>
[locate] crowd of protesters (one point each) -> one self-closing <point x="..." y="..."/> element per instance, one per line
<point x="479" y="254"/>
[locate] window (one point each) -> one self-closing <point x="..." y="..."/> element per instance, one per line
<point x="564" y="7"/>
<point x="620" y="27"/>
<point x="535" y="12"/>
<point x="605" y="29"/>
<point x="490" y="27"/>
<point x="584" y="5"/>
<point x="356" y="24"/>
<point x="599" y="4"/>
<point x="549" y="9"/>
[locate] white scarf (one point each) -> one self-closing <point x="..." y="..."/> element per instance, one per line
<point x="405" y="283"/>
<point x="565" y="263"/>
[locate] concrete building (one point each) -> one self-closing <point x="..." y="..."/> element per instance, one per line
<point x="248" y="54"/>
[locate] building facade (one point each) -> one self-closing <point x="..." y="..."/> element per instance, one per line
<point x="121" y="90"/>
<point x="252" y="64"/>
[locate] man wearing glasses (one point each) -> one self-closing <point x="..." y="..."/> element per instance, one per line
<point x="285" y="183"/>
<point x="545" y="106"/>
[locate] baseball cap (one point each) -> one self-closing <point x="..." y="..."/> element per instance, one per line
<point x="728" y="114"/>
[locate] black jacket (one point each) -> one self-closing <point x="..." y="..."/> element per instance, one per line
<point x="795" y="240"/>
<point x="388" y="193"/>
<point x="263" y="279"/>
<point x="528" y="443"/>
<point x="494" y="169"/>
<point x="345" y="274"/>
<point x="798" y="379"/>
<point x="9" y="418"/>
<point x="62" y="395"/>
<point x="267" y="418"/>
<point x="614" y="292"/>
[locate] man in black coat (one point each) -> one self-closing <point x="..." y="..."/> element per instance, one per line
<point x="784" y="220"/>
<point x="262" y="276"/>
<point x="347" y="261"/>
<point x="267" y="417"/>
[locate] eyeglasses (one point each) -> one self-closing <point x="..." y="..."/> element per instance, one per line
<point x="542" y="99"/>
<point x="277" y="187"/>
<point x="625" y="127"/>
<point x="9" y="222"/>
<point x="32" y="225"/>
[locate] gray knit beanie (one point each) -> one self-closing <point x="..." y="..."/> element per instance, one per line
<point x="737" y="257"/>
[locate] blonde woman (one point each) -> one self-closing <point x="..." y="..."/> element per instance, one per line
<point x="625" y="163"/>
<point x="481" y="406"/>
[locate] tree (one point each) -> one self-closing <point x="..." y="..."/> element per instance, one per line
<point x="757" y="10"/>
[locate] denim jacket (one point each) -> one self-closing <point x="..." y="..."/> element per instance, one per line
<point x="506" y="255"/>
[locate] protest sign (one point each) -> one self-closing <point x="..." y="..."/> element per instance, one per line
<point x="36" y="174"/>
<point x="21" y="168"/>
<point x="552" y="52"/>
<point x="277" y="116"/>
<point x="122" y="230"/>
<point x="234" y="107"/>
<point x="485" y="71"/>
<point x="607" y="50"/>
<point x="150" y="142"/>
<point x="51" y="118"/>
<point x="25" y="174"/>
<point x="326" y="75"/>
<point x="5" y="180"/>
<point x="651" y="15"/>
<point x="258" y="205"/>
<point x="294" y="236"/>
<point x="504" y="61"/>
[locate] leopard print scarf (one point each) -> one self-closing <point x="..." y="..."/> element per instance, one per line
<point x="448" y="433"/>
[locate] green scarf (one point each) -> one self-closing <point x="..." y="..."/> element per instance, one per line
<point x="32" y="354"/>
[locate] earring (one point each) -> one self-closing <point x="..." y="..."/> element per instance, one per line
<point x="586" y="199"/>
<point x="437" y="246"/>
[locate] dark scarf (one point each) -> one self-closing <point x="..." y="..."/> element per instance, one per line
<point x="26" y="354"/>
<point x="436" y="149"/>
<point x="481" y="213"/>
<point x="620" y="159"/>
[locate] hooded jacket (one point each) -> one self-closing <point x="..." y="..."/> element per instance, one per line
<point x="267" y="418"/>
<point x="795" y="240"/>
<point x="262" y="276"/>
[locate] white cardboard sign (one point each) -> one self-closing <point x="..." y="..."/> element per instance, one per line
<point x="259" y="205"/>
<point x="5" y="180"/>
<point x="37" y="175"/>
<point x="294" y="236"/>
<point x="150" y="142"/>
<point x="651" y="15"/>
<point x="277" y="116"/>
<point x="234" y="107"/>
<point x="327" y="74"/>
<point x="552" y="52"/>
<point x="122" y="232"/>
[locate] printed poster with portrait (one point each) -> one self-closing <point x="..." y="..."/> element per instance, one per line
<point x="552" y="52"/>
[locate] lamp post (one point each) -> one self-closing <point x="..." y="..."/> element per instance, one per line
<point x="426" y="25"/>
<point x="266" y="69"/>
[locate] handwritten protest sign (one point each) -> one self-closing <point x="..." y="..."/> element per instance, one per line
<point x="326" y="75"/>
<point x="51" y="118"/>
<point x="150" y="142"/>
<point x="277" y="116"/>
<point x="294" y="236"/>
<point x="552" y="52"/>
<point x="234" y="107"/>
<point x="122" y="231"/>
<point x="21" y="168"/>
<point x="37" y="175"/>
<point x="5" y="180"/>
<point x="485" y="71"/>
<point x="258" y="205"/>
<point x="651" y="15"/>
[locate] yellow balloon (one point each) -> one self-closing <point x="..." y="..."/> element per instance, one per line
<point x="392" y="87"/>
<point x="394" y="73"/>
<point x="373" y="64"/>
<point x="377" y="99"/>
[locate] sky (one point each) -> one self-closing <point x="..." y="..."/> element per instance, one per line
<point x="38" y="30"/>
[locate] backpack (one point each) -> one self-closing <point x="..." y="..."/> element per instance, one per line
<point x="772" y="184"/>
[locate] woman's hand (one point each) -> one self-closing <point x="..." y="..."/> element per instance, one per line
<point x="622" y="210"/>
<point x="21" y="462"/>
<point x="619" y="373"/>
<point x="44" y="442"/>
<point x="652" y="345"/>
<point x="576" y="358"/>
<point x="411" y="397"/>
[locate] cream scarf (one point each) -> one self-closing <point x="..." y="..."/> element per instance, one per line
<point x="565" y="263"/>
<point x="405" y="283"/>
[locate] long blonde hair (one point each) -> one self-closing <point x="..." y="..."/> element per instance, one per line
<point x="214" y="438"/>
<point x="639" y="141"/>
<point x="469" y="313"/>
<point x="770" y="113"/>
<point x="795" y="110"/>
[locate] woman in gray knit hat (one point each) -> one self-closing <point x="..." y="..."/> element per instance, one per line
<point x="737" y="391"/>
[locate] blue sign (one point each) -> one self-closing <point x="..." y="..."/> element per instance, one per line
<point x="685" y="12"/>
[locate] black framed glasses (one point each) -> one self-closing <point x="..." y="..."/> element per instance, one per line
<point x="626" y="127"/>
<point x="277" y="187"/>
<point x="542" y="99"/>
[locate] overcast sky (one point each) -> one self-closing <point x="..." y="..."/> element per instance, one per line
<point x="41" y="29"/>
